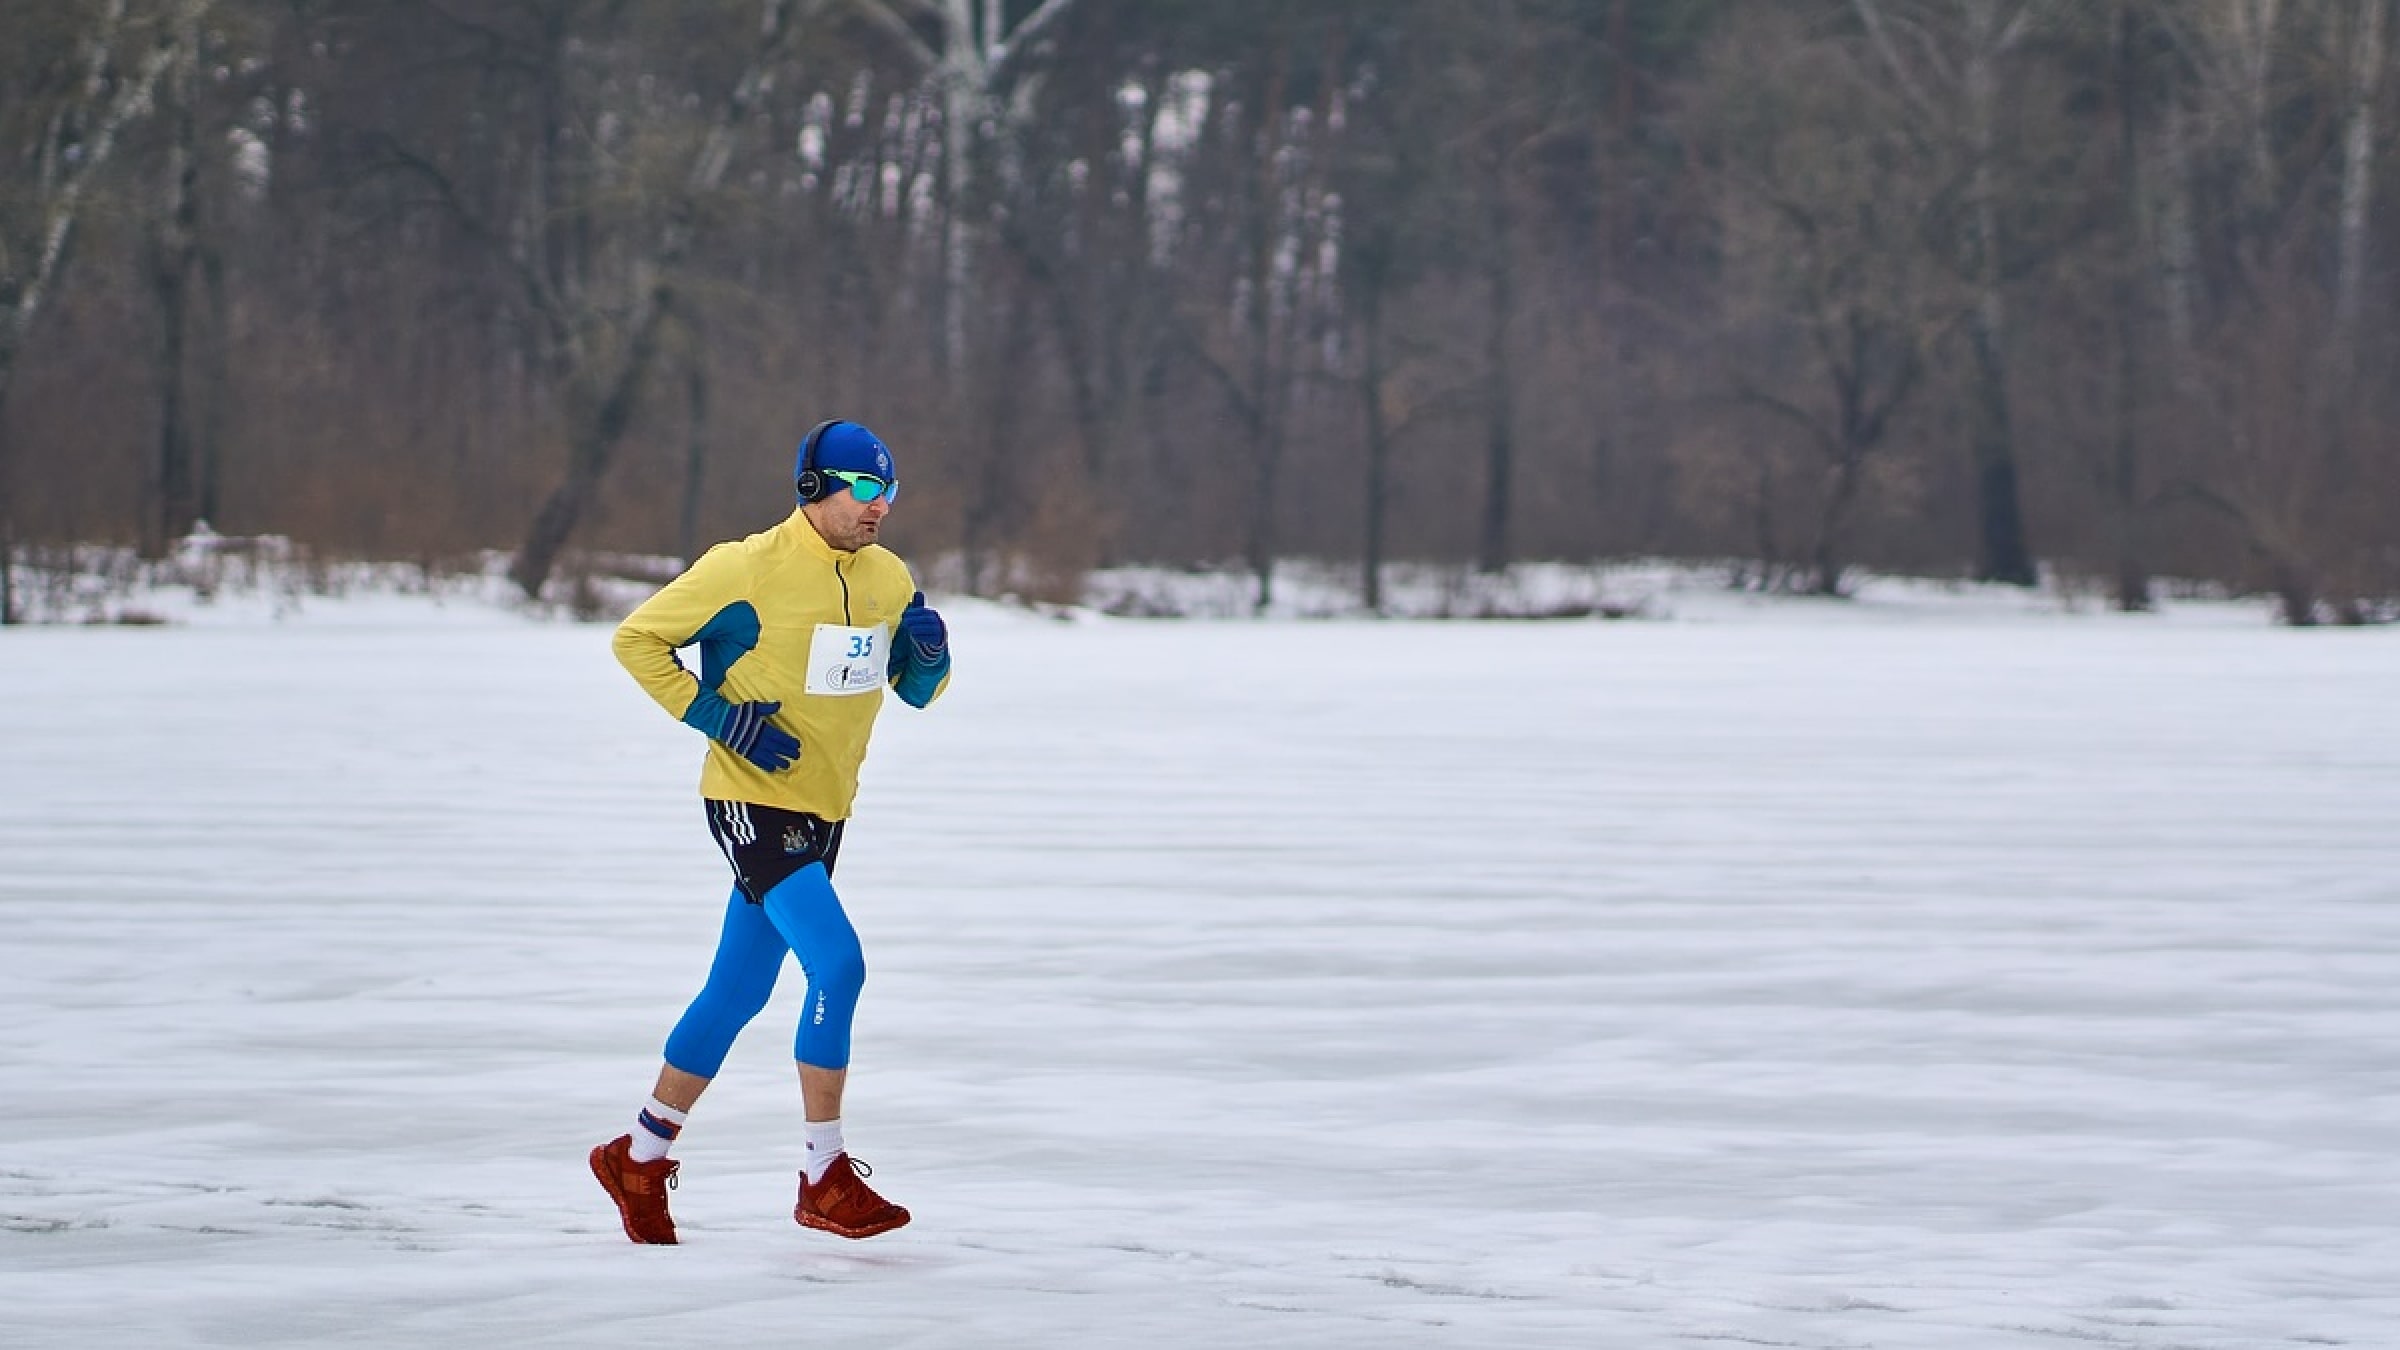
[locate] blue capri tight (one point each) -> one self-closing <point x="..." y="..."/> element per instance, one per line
<point x="801" y="916"/>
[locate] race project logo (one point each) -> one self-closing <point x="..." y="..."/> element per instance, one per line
<point x="853" y="677"/>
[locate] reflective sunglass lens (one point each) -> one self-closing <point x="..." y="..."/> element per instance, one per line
<point x="867" y="487"/>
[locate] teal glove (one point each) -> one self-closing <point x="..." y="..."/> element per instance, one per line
<point x="744" y="729"/>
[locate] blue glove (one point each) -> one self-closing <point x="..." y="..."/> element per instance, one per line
<point x="744" y="729"/>
<point x="923" y="637"/>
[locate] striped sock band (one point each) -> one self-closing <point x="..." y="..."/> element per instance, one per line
<point x="654" y="1130"/>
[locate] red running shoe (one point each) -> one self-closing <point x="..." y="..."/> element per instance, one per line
<point x="844" y="1205"/>
<point x="639" y="1188"/>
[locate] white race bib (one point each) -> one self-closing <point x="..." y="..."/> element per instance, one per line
<point x="843" y="660"/>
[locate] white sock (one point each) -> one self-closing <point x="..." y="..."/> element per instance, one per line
<point x="654" y="1131"/>
<point x="824" y="1139"/>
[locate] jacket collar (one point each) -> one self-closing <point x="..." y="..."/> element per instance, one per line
<point x="803" y="533"/>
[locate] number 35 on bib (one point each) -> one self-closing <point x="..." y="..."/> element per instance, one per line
<point x="843" y="661"/>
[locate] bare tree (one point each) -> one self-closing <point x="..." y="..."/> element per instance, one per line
<point x="1127" y="274"/>
<point x="172" y="492"/>
<point x="119" y="61"/>
<point x="694" y="362"/>
<point x="2367" y="59"/>
<point x="2229" y="48"/>
<point x="1393" y="206"/>
<point x="2120" y="475"/>
<point x="95" y="83"/>
<point x="975" y="71"/>
<point x="606" y="351"/>
<point x="1946" y="58"/>
<point x="1248" y="316"/>
<point x="2276" y="412"/>
<point x="1825" y="199"/>
<point x="1506" y="120"/>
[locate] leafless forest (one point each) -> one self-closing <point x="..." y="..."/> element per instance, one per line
<point x="1987" y="288"/>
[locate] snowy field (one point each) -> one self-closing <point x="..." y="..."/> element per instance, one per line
<point x="1923" y="973"/>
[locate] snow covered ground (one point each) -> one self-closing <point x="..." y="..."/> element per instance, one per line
<point x="1926" y="972"/>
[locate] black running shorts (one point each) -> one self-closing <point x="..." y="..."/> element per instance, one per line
<point x="765" y="844"/>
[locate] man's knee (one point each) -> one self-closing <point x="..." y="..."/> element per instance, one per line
<point x="805" y="910"/>
<point x="841" y="970"/>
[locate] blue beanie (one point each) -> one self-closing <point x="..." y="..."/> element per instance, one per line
<point x="851" y="448"/>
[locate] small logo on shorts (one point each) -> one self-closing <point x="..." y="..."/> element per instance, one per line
<point x="798" y="839"/>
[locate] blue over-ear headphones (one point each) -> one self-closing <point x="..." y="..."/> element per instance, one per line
<point x="810" y="484"/>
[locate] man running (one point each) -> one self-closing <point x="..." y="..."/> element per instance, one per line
<point x="800" y="630"/>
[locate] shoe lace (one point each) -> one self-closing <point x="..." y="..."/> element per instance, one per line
<point x="840" y="1175"/>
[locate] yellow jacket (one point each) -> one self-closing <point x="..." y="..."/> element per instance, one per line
<point x="762" y="610"/>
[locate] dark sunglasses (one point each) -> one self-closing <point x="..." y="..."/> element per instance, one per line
<point x="866" y="486"/>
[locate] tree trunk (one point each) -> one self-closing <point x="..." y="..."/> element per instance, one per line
<point x="2001" y="554"/>
<point x="962" y="83"/>
<point x="1492" y="543"/>
<point x="995" y="497"/>
<point x="1259" y="551"/>
<point x="595" y="436"/>
<point x="1130" y="296"/>
<point x="2124" y="483"/>
<point x="1262" y="506"/>
<point x="1083" y="378"/>
<point x="2358" y="165"/>
<point x="1379" y="442"/>
<point x="968" y="73"/>
<point x="2255" y="23"/>
<point x="1825" y="563"/>
<point x="695" y="455"/>
<point x="1265" y="416"/>
<point x="2295" y="594"/>
<point x="1862" y="417"/>
<point x="1624" y="67"/>
<point x="2123" y="477"/>
<point x="601" y="402"/>
<point x="2179" y="248"/>
<point x="215" y="339"/>
<point x="72" y="150"/>
<point x="172" y="504"/>
<point x="1763" y="531"/>
<point x="1623" y="106"/>
<point x="171" y="499"/>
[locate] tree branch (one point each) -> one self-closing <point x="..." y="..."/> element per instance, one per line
<point x="1826" y="442"/>
<point x="1027" y="32"/>
<point x="2018" y="25"/>
<point x="129" y="102"/>
<point x="1870" y="13"/>
<point x="716" y="149"/>
<point x="1232" y="384"/>
<point x="539" y="295"/>
<point x="887" y="21"/>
